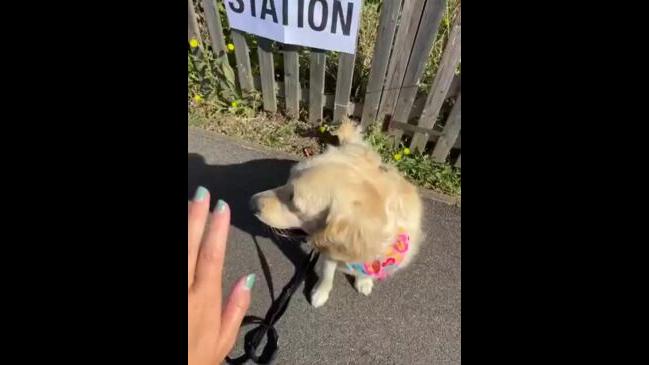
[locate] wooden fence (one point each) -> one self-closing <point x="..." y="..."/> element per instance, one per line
<point x="406" y="33"/>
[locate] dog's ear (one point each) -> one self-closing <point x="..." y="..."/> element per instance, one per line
<point x="356" y="226"/>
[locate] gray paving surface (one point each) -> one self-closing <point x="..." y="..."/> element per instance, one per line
<point x="413" y="318"/>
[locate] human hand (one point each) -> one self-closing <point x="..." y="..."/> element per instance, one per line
<point x="212" y="333"/>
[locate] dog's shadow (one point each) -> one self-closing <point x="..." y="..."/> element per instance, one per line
<point x="235" y="184"/>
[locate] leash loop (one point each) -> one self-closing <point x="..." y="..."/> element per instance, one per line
<point x="265" y="326"/>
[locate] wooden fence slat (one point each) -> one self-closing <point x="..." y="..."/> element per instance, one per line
<point x="415" y="112"/>
<point x="242" y="54"/>
<point x="450" y="133"/>
<point x="458" y="161"/>
<point x="395" y="136"/>
<point x="396" y="129"/>
<point x="192" y="25"/>
<point x="426" y="35"/>
<point x="441" y="84"/>
<point x="343" y="85"/>
<point x="410" y="15"/>
<point x="454" y="89"/>
<point x="433" y="134"/>
<point x="382" y="48"/>
<point x="215" y="30"/>
<point x="214" y="27"/>
<point x="267" y="70"/>
<point x="356" y="109"/>
<point x="292" y="80"/>
<point x="316" y="85"/>
<point x="424" y="41"/>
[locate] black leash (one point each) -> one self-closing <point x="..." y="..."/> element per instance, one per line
<point x="265" y="326"/>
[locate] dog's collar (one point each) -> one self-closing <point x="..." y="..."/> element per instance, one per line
<point x="382" y="267"/>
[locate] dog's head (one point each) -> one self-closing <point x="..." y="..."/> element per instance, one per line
<point x="337" y="198"/>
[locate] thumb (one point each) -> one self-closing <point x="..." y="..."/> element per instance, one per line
<point x="235" y="310"/>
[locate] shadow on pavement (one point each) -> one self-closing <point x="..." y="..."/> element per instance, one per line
<point x="236" y="183"/>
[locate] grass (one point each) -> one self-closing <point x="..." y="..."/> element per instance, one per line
<point x="273" y="131"/>
<point x="302" y="139"/>
<point x="417" y="167"/>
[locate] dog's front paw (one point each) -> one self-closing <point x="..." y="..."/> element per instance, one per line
<point x="364" y="285"/>
<point x="319" y="297"/>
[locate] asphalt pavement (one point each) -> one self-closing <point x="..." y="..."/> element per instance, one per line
<point x="413" y="318"/>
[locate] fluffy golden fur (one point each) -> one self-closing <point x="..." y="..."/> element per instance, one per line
<point x="351" y="205"/>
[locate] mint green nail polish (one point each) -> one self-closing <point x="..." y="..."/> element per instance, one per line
<point x="220" y="206"/>
<point x="200" y="194"/>
<point x="250" y="280"/>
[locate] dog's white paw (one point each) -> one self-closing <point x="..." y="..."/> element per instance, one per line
<point x="364" y="285"/>
<point x="319" y="297"/>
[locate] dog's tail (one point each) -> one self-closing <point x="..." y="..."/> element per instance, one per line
<point x="349" y="132"/>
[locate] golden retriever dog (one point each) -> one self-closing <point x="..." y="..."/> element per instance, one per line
<point x="359" y="213"/>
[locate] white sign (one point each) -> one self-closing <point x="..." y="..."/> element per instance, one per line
<point x="323" y="24"/>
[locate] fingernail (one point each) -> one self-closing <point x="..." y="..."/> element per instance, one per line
<point x="220" y="206"/>
<point x="200" y="194"/>
<point x="250" y="281"/>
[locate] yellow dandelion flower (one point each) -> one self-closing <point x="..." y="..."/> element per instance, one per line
<point x="198" y="98"/>
<point x="193" y="43"/>
<point x="230" y="47"/>
<point x="397" y="156"/>
<point x="234" y="104"/>
<point x="406" y="151"/>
